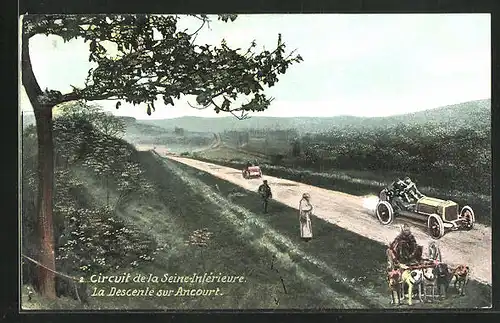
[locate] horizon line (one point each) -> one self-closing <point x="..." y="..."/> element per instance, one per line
<point x="316" y="117"/>
<point x="30" y="112"/>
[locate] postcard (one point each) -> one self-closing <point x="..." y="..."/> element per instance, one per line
<point x="255" y="162"/>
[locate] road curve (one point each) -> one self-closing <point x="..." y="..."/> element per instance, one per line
<point x="353" y="213"/>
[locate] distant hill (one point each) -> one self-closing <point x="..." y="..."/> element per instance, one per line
<point x="473" y="113"/>
<point x="139" y="128"/>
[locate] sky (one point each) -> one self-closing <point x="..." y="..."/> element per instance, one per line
<point x="354" y="64"/>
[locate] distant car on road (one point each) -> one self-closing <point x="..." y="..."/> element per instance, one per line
<point x="438" y="214"/>
<point x="251" y="171"/>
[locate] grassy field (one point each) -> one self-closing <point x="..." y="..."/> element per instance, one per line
<point x="337" y="269"/>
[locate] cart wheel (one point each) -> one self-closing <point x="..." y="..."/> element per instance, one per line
<point x="245" y="174"/>
<point x="436" y="226"/>
<point x="467" y="214"/>
<point x="385" y="213"/>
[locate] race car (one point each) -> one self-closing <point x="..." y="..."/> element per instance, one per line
<point x="398" y="200"/>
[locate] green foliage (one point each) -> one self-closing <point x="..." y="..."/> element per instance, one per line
<point x="100" y="120"/>
<point x="296" y="148"/>
<point x="179" y="131"/>
<point x="227" y="17"/>
<point x="151" y="59"/>
<point x="95" y="240"/>
<point x="89" y="236"/>
<point x="453" y="157"/>
<point x="277" y="159"/>
<point x="80" y="136"/>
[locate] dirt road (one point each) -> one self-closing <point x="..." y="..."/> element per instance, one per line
<point x="355" y="213"/>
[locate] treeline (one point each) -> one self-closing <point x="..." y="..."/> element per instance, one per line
<point x="458" y="158"/>
<point x="436" y="154"/>
<point x="267" y="135"/>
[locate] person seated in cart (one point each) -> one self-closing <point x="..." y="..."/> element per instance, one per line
<point x="411" y="252"/>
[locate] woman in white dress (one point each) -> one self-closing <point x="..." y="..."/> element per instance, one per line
<point x="305" y="212"/>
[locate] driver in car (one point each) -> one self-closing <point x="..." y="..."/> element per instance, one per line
<point x="413" y="193"/>
<point x="399" y="196"/>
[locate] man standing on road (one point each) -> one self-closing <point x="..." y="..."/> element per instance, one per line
<point x="265" y="193"/>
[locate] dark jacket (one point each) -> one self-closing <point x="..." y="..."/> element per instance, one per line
<point x="265" y="191"/>
<point x="413" y="248"/>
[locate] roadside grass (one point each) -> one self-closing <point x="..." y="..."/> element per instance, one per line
<point x="335" y="253"/>
<point x="353" y="182"/>
<point x="225" y="153"/>
<point x="236" y="248"/>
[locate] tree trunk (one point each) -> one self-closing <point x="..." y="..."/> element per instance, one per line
<point x="43" y="115"/>
<point x="45" y="199"/>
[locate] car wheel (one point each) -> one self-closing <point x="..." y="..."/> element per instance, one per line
<point x="435" y="226"/>
<point x="385" y="213"/>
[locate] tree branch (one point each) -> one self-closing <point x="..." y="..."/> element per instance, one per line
<point x="195" y="34"/>
<point x="242" y="117"/>
<point x="73" y="96"/>
<point x="243" y="114"/>
<point x="198" y="108"/>
<point x="29" y="81"/>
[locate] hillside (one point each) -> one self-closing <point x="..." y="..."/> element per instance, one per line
<point x="475" y="113"/>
